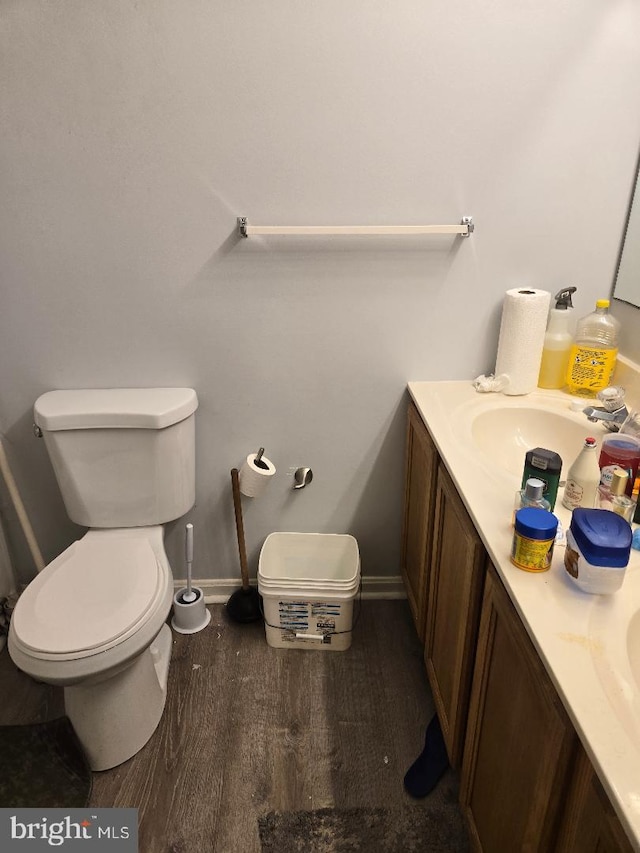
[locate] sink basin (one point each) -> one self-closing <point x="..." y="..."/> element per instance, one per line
<point x="504" y="434"/>
<point x="498" y="430"/>
<point x="633" y="647"/>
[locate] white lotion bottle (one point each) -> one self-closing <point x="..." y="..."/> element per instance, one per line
<point x="583" y="479"/>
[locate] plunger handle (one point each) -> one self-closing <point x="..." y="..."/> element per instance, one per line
<point x="237" y="505"/>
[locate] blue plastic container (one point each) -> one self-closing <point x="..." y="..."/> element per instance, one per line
<point x="533" y="539"/>
<point x="598" y="549"/>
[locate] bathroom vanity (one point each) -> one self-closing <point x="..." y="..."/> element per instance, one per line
<point x="532" y="681"/>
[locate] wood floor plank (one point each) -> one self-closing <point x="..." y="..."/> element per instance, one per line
<point x="249" y="729"/>
<point x="23" y="699"/>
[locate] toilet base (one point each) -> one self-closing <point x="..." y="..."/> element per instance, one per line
<point x="115" y="718"/>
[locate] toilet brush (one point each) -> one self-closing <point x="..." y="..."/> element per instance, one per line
<point x="244" y="603"/>
<point x="189" y="595"/>
<point x="189" y="610"/>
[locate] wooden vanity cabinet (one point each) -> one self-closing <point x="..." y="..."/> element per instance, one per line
<point x="420" y="478"/>
<point x="456" y="578"/>
<point x="589" y="824"/>
<point x="520" y="742"/>
<point x="526" y="783"/>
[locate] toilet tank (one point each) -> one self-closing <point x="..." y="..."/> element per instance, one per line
<point x="123" y="457"/>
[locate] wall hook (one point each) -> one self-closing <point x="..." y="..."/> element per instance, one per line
<point x="302" y="477"/>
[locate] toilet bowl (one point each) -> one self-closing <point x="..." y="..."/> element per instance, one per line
<point x="93" y="621"/>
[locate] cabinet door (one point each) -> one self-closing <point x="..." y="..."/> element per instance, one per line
<point x="420" y="476"/>
<point x="456" y="578"/>
<point x="590" y="824"/>
<point x="520" y="741"/>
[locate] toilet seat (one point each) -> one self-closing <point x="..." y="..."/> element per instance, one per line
<point x="92" y="597"/>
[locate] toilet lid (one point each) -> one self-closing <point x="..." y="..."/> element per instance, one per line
<point x="92" y="596"/>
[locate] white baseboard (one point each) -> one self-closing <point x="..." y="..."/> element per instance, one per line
<point x="218" y="590"/>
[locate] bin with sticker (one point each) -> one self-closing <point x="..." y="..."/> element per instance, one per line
<point x="308" y="583"/>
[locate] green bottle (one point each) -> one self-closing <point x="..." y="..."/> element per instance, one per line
<point x="546" y="465"/>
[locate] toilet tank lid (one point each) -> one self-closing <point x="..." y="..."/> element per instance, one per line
<point x="133" y="408"/>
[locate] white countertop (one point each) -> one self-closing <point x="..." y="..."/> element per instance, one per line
<point x="580" y="638"/>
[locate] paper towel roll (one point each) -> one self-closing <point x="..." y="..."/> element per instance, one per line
<point x="254" y="476"/>
<point x="524" y="322"/>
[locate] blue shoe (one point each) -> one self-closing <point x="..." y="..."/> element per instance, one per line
<point x="426" y="771"/>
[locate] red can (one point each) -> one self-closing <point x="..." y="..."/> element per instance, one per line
<point x="622" y="451"/>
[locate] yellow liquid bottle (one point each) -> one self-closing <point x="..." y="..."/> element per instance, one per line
<point x="592" y="357"/>
<point x="553" y="368"/>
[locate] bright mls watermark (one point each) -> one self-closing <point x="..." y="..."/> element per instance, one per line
<point x="35" y="830"/>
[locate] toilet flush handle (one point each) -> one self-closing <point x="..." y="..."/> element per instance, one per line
<point x="37" y="431"/>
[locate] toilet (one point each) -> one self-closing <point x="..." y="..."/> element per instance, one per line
<point x="94" y="619"/>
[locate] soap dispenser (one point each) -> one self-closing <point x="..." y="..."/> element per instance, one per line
<point x="557" y="342"/>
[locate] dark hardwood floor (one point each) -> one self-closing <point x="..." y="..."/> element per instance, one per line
<point x="249" y="729"/>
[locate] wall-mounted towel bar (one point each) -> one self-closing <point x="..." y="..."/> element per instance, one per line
<point x="464" y="229"/>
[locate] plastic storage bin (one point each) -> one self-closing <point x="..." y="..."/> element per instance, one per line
<point x="308" y="582"/>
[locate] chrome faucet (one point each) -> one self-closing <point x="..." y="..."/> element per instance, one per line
<point x="613" y="413"/>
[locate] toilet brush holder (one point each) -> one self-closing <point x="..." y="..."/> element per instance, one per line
<point x="189" y="611"/>
<point x="189" y="616"/>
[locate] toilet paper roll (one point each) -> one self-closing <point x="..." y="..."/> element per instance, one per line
<point x="522" y="329"/>
<point x="254" y="476"/>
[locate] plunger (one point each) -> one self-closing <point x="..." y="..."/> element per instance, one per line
<point x="244" y="604"/>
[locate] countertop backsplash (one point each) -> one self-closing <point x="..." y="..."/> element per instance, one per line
<point x="627" y="374"/>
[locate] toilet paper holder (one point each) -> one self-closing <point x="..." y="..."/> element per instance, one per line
<point x="255" y="473"/>
<point x="302" y="477"/>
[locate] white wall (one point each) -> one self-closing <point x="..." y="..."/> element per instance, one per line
<point x="135" y="133"/>
<point x="7" y="577"/>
